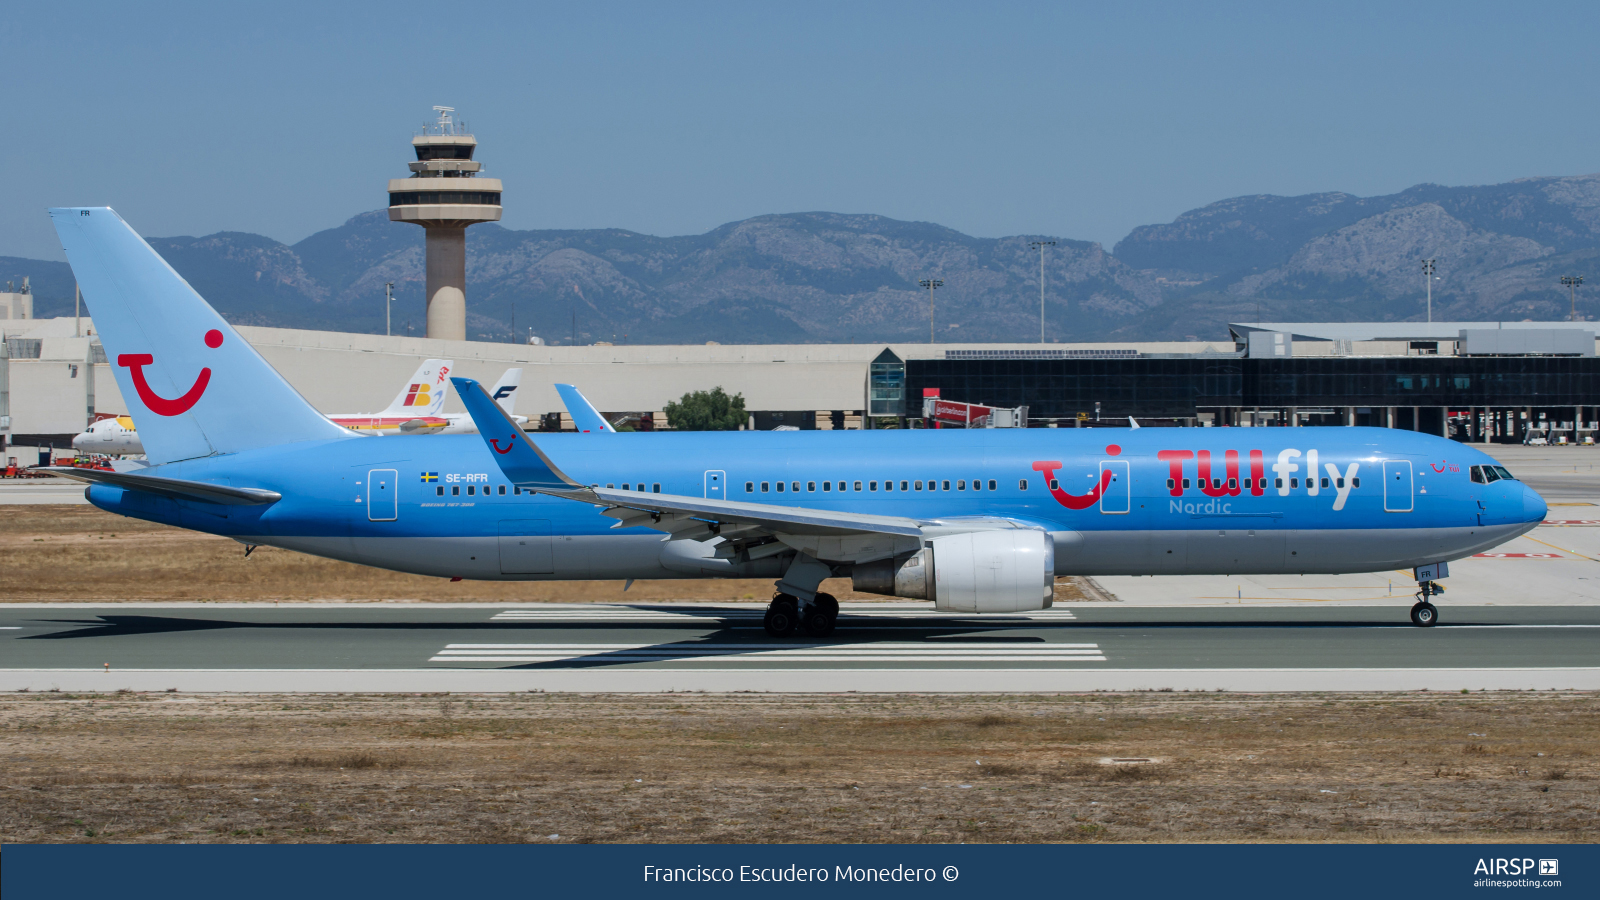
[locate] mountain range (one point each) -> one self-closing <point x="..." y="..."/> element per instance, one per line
<point x="830" y="277"/>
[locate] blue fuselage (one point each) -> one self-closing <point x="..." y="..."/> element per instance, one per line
<point x="1116" y="501"/>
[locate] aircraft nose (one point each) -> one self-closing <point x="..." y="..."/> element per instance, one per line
<point x="1533" y="505"/>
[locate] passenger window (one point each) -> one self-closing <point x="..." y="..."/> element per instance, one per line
<point x="1022" y="483"/>
<point x="917" y="485"/>
<point x="624" y="487"/>
<point x="472" y="489"/>
<point x="1055" y="485"/>
<point x="961" y="484"/>
<point x="947" y="485"/>
<point x="1324" y="482"/>
<point x="780" y="487"/>
<point x="1279" y="482"/>
<point x="455" y="490"/>
<point x="1294" y="483"/>
<point x="439" y="491"/>
<point x="811" y="486"/>
<point x="1355" y="482"/>
<point x="1186" y="484"/>
<point x="858" y="485"/>
<point x="905" y="485"/>
<point x="655" y="488"/>
<point x="871" y="486"/>
<point x="501" y="491"/>
<point x="765" y="486"/>
<point x="991" y="484"/>
<point x="1170" y="483"/>
<point x="749" y="487"/>
<point x="1339" y="483"/>
<point x="794" y="486"/>
<point x="1232" y="483"/>
<point x="827" y="486"/>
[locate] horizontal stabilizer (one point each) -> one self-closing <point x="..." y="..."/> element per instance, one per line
<point x="523" y="463"/>
<point x="585" y="417"/>
<point x="172" y="488"/>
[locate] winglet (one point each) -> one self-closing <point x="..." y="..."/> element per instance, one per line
<point x="584" y="415"/>
<point x="523" y="463"/>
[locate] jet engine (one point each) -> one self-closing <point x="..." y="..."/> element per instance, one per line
<point x="978" y="571"/>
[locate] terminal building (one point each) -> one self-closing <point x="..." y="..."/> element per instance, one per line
<point x="1521" y="380"/>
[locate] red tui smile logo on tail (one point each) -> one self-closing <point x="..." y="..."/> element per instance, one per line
<point x="161" y="406"/>
<point x="511" y="442"/>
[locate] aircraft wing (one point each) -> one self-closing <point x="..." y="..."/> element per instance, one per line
<point x="825" y="534"/>
<point x="584" y="415"/>
<point x="172" y="488"/>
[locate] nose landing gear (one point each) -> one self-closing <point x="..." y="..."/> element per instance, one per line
<point x="1424" y="614"/>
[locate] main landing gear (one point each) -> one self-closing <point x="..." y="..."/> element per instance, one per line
<point x="1424" y="614"/>
<point x="786" y="615"/>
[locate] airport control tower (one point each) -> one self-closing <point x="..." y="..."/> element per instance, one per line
<point x="444" y="195"/>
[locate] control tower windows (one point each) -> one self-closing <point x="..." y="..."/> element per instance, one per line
<point x="444" y="198"/>
<point x="426" y="152"/>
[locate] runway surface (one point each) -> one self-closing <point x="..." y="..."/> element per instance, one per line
<point x="878" y="647"/>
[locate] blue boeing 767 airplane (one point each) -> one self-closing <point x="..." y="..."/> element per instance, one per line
<point x="975" y="521"/>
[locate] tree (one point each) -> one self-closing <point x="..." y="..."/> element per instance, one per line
<point x="711" y="410"/>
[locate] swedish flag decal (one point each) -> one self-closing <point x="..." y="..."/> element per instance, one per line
<point x="430" y="476"/>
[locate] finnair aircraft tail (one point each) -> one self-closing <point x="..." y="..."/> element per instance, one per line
<point x="185" y="373"/>
<point x="424" y="393"/>
<point x="504" y="391"/>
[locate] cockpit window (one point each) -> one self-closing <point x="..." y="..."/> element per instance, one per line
<point x="1501" y="470"/>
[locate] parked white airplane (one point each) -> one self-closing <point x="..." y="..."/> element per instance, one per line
<point x="111" y="437"/>
<point x="423" y="398"/>
<point x="416" y="410"/>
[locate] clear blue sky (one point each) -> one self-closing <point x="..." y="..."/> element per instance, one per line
<point x="672" y="118"/>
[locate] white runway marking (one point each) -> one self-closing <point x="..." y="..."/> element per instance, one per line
<point x="626" y="614"/>
<point x="766" y="653"/>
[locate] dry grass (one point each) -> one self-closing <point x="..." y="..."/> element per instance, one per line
<point x="691" y="768"/>
<point x="84" y="553"/>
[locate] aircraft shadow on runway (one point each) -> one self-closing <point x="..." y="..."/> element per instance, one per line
<point x="712" y="638"/>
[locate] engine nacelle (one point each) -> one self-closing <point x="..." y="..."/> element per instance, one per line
<point x="981" y="571"/>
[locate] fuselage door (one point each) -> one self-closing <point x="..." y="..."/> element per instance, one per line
<point x="381" y="487"/>
<point x="715" y="479"/>
<point x="526" y="547"/>
<point x="1397" y="485"/>
<point x="1117" y="498"/>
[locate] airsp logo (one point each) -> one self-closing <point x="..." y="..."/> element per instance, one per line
<point x="1514" y="867"/>
<point x="1549" y="867"/>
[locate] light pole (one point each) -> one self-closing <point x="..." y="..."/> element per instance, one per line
<point x="931" y="284"/>
<point x="1572" y="282"/>
<point x="388" y="302"/>
<point x="1427" y="275"/>
<point x="1040" y="245"/>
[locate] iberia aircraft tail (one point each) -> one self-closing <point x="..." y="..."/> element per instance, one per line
<point x="424" y="393"/>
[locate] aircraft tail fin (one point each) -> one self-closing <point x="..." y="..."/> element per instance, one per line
<point x="424" y="393"/>
<point x="584" y="415"/>
<point x="504" y="391"/>
<point x="195" y="386"/>
<point x="523" y="463"/>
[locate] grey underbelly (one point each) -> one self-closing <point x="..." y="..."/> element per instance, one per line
<point x="1246" y="551"/>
